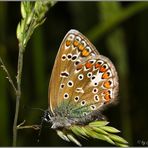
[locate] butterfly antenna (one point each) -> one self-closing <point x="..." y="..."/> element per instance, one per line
<point x="34" y="108"/>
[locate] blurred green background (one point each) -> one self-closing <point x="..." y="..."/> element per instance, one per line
<point x="119" y="30"/>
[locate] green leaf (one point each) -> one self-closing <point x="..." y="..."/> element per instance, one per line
<point x="23" y="11"/>
<point x="121" y="144"/>
<point x="78" y="131"/>
<point x="22" y="26"/>
<point x="62" y="135"/>
<point x="118" y="139"/>
<point x="99" y="130"/>
<point x="110" y="129"/>
<point x="29" y="18"/>
<point x="98" y="123"/>
<point x="71" y="137"/>
<point x="106" y="138"/>
<point x="89" y="131"/>
<point x="18" y="31"/>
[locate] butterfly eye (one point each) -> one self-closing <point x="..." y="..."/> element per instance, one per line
<point x="70" y="84"/>
<point x="93" y="107"/>
<point x="66" y="96"/>
<point x="80" y="76"/>
<point x="83" y="103"/>
<point x="96" y="98"/>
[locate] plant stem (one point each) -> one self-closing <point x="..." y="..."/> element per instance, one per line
<point x="18" y="94"/>
<point x="8" y="75"/>
<point x="33" y="15"/>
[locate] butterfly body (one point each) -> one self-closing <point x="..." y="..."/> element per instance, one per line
<point x="64" y="118"/>
<point x="82" y="83"/>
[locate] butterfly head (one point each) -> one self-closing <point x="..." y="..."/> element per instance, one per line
<point x="58" y="121"/>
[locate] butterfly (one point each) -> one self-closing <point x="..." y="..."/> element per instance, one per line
<point x="82" y="84"/>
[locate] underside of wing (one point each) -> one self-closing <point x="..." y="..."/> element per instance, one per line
<point x="74" y="49"/>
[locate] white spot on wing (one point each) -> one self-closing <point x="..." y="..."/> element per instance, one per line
<point x="80" y="77"/>
<point x="89" y="74"/>
<point x="95" y="90"/>
<point x="76" y="99"/>
<point x="96" y="98"/>
<point x="66" y="96"/>
<point x="98" y="78"/>
<point x="61" y="86"/>
<point x="64" y="57"/>
<point x="83" y="102"/>
<point x="93" y="107"/>
<point x="69" y="56"/>
<point x="79" y="90"/>
<point x="78" y="38"/>
<point x="70" y="84"/>
<point x="64" y="74"/>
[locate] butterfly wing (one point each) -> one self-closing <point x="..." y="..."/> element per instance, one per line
<point x="74" y="49"/>
<point x="95" y="86"/>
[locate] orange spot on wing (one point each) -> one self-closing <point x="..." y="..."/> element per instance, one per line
<point x="97" y="65"/>
<point x="105" y="75"/>
<point x="79" y="66"/>
<point x="107" y="84"/>
<point x="107" y="96"/>
<point x="81" y="47"/>
<point x="88" y="65"/>
<point x="102" y="69"/>
<point x="75" y="43"/>
<point x="68" y="42"/>
<point x="85" y="53"/>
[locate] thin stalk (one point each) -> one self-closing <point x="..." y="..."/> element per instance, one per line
<point x="18" y="94"/>
<point x="8" y="75"/>
<point x="33" y="15"/>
